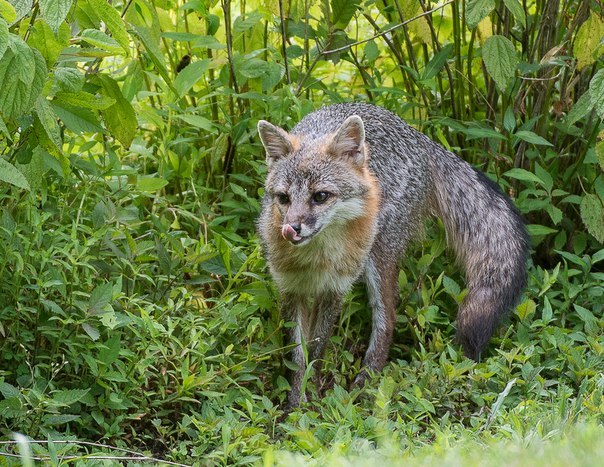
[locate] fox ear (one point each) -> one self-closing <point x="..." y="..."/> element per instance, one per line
<point x="349" y="141"/>
<point x="276" y="141"/>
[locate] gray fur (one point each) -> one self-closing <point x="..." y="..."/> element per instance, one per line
<point x="416" y="178"/>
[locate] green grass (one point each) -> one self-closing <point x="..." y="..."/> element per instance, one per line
<point x="128" y="330"/>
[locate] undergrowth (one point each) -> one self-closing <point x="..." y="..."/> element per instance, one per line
<point x="136" y="309"/>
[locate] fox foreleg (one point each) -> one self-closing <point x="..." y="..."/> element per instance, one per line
<point x="313" y="329"/>
<point x="295" y="308"/>
<point x="326" y="311"/>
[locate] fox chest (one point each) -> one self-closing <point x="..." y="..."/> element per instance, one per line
<point x="318" y="268"/>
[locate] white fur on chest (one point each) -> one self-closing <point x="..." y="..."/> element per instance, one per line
<point x="312" y="283"/>
<point x="319" y="266"/>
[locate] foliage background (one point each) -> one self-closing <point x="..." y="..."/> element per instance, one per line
<point x="135" y="306"/>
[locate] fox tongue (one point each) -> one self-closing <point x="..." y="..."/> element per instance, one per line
<point x="289" y="233"/>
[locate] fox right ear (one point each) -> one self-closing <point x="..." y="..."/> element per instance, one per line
<point x="349" y="141"/>
<point x="277" y="142"/>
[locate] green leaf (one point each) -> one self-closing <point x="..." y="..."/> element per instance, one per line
<point x="55" y="12"/>
<point x="526" y="309"/>
<point x="187" y="78"/>
<point x="101" y="40"/>
<point x="77" y="119"/>
<point x="342" y="12"/>
<point x="544" y="175"/>
<point x="39" y="78"/>
<point x="253" y="68"/>
<point x="242" y="24"/>
<point x="207" y="42"/>
<point x="481" y="132"/>
<point x="48" y="120"/>
<point x="592" y="214"/>
<point x="47" y="42"/>
<point x="58" y="419"/>
<point x="523" y="175"/>
<point x="8" y="390"/>
<point x="4" y="35"/>
<point x="69" y="79"/>
<point x="451" y="287"/>
<point x="120" y="118"/>
<point x="500" y="59"/>
<point x="17" y="70"/>
<point x="198" y="121"/>
<point x="532" y="138"/>
<point x="111" y="350"/>
<point x="10" y="174"/>
<point x="477" y="10"/>
<point x="100" y="298"/>
<point x="591" y="322"/>
<point x="554" y="213"/>
<point x="272" y="76"/>
<point x="509" y="119"/>
<point x="180" y="36"/>
<point x="580" y="109"/>
<point x="437" y="62"/>
<point x="68" y="397"/>
<point x="535" y="230"/>
<point x="588" y="40"/>
<point x="517" y="11"/>
<point x="86" y="100"/>
<point x="92" y="331"/>
<point x="8" y="12"/>
<point x="22" y="7"/>
<point x="4" y="129"/>
<point x="110" y="16"/>
<point x="155" y="53"/>
<point x="150" y="184"/>
<point x="372" y="52"/>
<point x="600" y="153"/>
<point x="35" y="169"/>
<point x="596" y="92"/>
<point x="597" y="257"/>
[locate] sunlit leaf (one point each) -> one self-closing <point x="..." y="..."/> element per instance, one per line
<point x="596" y="92"/>
<point x="110" y="16"/>
<point x="500" y="59"/>
<point x="55" y="12"/>
<point x="592" y="214"/>
<point x="476" y="10"/>
<point x="588" y="40"/>
<point x="517" y="11"/>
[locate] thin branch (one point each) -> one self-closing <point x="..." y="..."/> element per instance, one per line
<point x="383" y="33"/>
<point x="283" y="41"/>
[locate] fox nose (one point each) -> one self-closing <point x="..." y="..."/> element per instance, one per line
<point x="297" y="227"/>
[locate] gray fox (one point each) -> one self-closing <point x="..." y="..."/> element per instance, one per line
<point x="345" y="193"/>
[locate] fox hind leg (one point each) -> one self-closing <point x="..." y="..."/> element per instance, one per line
<point x="382" y="287"/>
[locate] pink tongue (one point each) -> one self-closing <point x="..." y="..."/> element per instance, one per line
<point x="289" y="233"/>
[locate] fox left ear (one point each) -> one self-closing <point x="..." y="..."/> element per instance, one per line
<point x="349" y="141"/>
<point x="277" y="142"/>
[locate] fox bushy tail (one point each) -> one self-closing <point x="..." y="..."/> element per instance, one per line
<point x="490" y="242"/>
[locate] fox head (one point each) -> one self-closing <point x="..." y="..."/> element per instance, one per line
<point x="316" y="182"/>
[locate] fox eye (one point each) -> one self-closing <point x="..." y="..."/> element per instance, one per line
<point x="320" y="197"/>
<point x="283" y="198"/>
